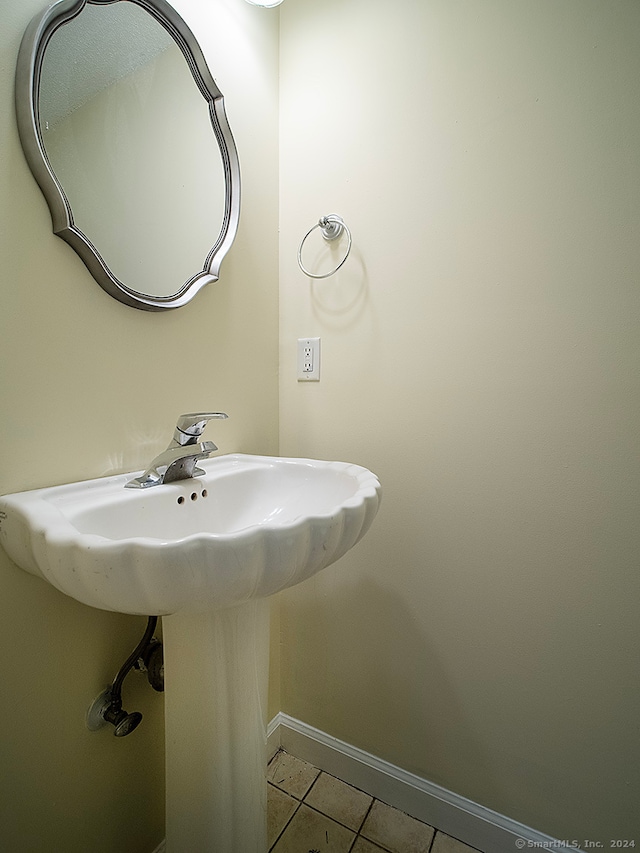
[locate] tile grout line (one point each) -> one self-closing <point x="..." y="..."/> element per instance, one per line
<point x="364" y="819"/>
<point x="362" y="824"/>
<point x="284" y="828"/>
<point x="332" y="817"/>
<point x="293" y="797"/>
<point x="299" y="801"/>
<point x="357" y="832"/>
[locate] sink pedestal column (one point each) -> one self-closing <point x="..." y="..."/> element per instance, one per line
<point x="216" y="677"/>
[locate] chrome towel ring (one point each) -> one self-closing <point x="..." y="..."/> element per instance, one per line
<point x="331" y="227"/>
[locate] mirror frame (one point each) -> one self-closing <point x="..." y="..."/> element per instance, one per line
<point x="28" y="72"/>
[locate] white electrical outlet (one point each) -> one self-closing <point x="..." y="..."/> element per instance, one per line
<point x="308" y="359"/>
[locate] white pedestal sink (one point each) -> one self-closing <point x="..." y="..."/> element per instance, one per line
<point x="204" y="553"/>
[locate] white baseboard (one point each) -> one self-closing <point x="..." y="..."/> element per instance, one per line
<point x="476" y="825"/>
<point x="470" y="822"/>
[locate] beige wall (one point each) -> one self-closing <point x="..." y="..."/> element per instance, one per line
<point x="89" y="387"/>
<point x="480" y="353"/>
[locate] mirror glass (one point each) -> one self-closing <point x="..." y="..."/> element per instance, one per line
<point x="136" y="146"/>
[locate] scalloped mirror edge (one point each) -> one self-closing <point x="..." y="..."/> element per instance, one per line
<point x="28" y="73"/>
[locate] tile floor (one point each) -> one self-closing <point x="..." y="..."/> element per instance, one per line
<point x="312" y="812"/>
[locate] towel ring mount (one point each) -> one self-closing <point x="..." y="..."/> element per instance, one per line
<point x="331" y="227"/>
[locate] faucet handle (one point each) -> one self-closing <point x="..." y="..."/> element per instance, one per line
<point x="191" y="426"/>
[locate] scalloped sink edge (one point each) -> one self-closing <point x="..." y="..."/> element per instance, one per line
<point x="249" y="527"/>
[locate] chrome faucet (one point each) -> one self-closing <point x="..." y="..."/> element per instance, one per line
<point x="178" y="461"/>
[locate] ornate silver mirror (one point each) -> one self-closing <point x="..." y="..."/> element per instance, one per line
<point x="125" y="131"/>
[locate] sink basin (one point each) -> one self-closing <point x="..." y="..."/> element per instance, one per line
<point x="250" y="526"/>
